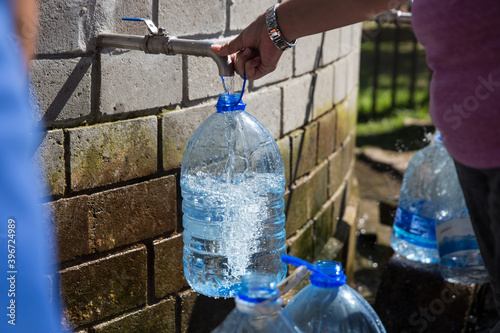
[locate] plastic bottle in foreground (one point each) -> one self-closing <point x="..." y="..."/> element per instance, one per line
<point x="232" y="184"/>
<point x="414" y="230"/>
<point x="459" y="258"/>
<point x="258" y="309"/>
<point x="329" y="305"/>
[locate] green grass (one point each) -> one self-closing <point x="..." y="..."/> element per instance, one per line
<point x="389" y="126"/>
<point x="403" y="100"/>
<point x="393" y="123"/>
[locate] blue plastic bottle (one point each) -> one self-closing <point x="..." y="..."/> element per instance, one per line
<point x="232" y="184"/>
<point x="460" y="260"/>
<point x="329" y="305"/>
<point x="258" y="309"/>
<point x="414" y="230"/>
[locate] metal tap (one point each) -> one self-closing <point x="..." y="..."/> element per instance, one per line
<point x="157" y="41"/>
<point x="394" y="16"/>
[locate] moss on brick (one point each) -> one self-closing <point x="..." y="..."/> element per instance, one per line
<point x="105" y="154"/>
<point x="105" y="287"/>
<point x="152" y="319"/>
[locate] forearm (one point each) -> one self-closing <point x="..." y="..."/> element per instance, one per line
<point x="26" y="18"/>
<point x="299" y="18"/>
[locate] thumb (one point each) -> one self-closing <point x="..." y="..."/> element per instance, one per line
<point x="230" y="47"/>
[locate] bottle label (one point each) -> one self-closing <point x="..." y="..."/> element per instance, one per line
<point x="414" y="228"/>
<point x="456" y="235"/>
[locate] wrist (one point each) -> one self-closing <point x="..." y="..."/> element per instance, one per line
<point x="274" y="31"/>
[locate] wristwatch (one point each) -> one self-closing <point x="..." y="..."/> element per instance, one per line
<point x="274" y="31"/>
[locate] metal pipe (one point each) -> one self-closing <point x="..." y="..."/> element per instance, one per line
<point x="129" y="42"/>
<point x="167" y="45"/>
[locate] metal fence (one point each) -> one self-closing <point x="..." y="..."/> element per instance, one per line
<point x="415" y="69"/>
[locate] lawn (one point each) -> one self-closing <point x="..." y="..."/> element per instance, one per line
<point x="394" y="109"/>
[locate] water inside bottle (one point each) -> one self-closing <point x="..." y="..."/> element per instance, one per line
<point x="233" y="232"/>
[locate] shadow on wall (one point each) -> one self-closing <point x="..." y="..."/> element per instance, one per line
<point x="208" y="313"/>
<point x="69" y="87"/>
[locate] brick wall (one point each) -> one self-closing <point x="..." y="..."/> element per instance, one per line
<point x="117" y="123"/>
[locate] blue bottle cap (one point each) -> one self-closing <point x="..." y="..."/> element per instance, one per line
<point x="327" y="274"/>
<point x="229" y="102"/>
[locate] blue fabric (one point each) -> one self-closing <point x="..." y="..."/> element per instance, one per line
<point x="28" y="291"/>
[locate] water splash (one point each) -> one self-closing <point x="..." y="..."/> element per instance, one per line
<point x="228" y="84"/>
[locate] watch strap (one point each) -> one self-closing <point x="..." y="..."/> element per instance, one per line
<point x="274" y="31"/>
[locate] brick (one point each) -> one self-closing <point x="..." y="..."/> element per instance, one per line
<point x="133" y="213"/>
<point x="297" y="210"/>
<point x="177" y="129"/>
<point x="324" y="224"/>
<point x="109" y="153"/>
<point x="343" y="123"/>
<point x="152" y="319"/>
<point x="297" y="108"/>
<point x="265" y="105"/>
<point x="283" y="71"/>
<point x="168" y="266"/>
<point x="49" y="159"/>
<point x="192" y="17"/>
<point x="331" y="47"/>
<point x="346" y="43"/>
<point x="204" y="80"/>
<point x="284" y="147"/>
<point x="353" y="60"/>
<point x="336" y="175"/>
<point x="356" y="35"/>
<point x="301" y="244"/>
<point x="134" y="80"/>
<point x="339" y="203"/>
<point x="333" y="249"/>
<point x="64" y="26"/>
<point x="323" y="91"/>
<point x="352" y="108"/>
<point x="327" y="127"/>
<point x="347" y="153"/>
<point x="109" y="16"/>
<point x="104" y="287"/>
<point x="352" y="192"/>
<point x="63" y="89"/>
<point x="72" y="27"/>
<point x="318" y="186"/>
<point x="69" y="220"/>
<point x="308" y="54"/>
<point x="242" y="12"/>
<point x="201" y="313"/>
<point x="340" y="81"/>
<point x="304" y="150"/>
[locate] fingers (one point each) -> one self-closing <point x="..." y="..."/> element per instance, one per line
<point x="252" y="68"/>
<point x="230" y="47"/>
<point x="241" y="59"/>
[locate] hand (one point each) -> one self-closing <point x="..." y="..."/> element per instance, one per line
<point x="252" y="51"/>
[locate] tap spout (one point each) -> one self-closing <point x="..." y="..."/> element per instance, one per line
<point x="167" y="45"/>
<point x="201" y="48"/>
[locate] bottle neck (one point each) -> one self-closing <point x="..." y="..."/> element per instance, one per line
<point x="260" y="308"/>
<point x="333" y="269"/>
<point x="229" y="103"/>
<point x="258" y="294"/>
